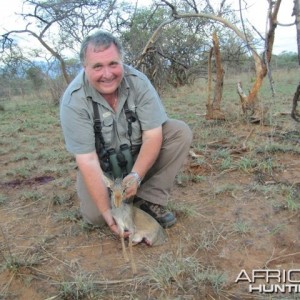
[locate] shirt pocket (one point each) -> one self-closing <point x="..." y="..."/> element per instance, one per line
<point x="107" y="130"/>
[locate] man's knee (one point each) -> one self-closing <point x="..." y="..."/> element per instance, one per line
<point x="93" y="219"/>
<point x="178" y="129"/>
<point x="186" y="132"/>
<point x="89" y="212"/>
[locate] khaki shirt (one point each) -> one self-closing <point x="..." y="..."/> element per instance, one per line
<point x="77" y="115"/>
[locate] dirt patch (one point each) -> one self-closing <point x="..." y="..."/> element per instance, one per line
<point x="237" y="206"/>
<point x="31" y="181"/>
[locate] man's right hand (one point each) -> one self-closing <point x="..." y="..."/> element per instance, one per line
<point x="112" y="224"/>
<point x="114" y="228"/>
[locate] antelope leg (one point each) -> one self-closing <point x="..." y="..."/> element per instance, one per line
<point x="124" y="249"/>
<point x="133" y="265"/>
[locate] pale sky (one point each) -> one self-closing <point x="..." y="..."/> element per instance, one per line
<point x="285" y="37"/>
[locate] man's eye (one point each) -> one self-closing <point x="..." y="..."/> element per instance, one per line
<point x="97" y="67"/>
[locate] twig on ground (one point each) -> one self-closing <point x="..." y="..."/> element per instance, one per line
<point x="279" y="257"/>
<point x="7" y="284"/>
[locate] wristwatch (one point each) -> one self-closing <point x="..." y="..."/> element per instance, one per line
<point x="137" y="177"/>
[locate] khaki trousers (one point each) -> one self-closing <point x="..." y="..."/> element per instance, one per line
<point x="158" y="182"/>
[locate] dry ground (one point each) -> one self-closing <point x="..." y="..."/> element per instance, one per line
<point x="237" y="202"/>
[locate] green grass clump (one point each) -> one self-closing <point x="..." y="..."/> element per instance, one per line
<point x="185" y="209"/>
<point x="273" y="148"/>
<point x="241" y="227"/>
<point x="82" y="286"/>
<point x="29" y="195"/>
<point x="3" y="199"/>
<point x="292" y="198"/>
<point x="175" y="274"/>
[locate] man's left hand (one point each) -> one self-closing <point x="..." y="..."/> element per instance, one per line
<point x="131" y="185"/>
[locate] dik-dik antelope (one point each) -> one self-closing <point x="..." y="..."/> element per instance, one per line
<point x="140" y="225"/>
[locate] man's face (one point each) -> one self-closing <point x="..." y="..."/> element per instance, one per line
<point x="103" y="68"/>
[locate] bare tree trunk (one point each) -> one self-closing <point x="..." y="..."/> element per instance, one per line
<point x="209" y="78"/>
<point x="296" y="13"/>
<point x="250" y="102"/>
<point x="296" y="98"/>
<point x="214" y="108"/>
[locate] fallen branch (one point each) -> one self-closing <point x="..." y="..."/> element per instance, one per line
<point x="243" y="148"/>
<point x="247" y="138"/>
<point x="103" y="282"/>
<point x="280" y="257"/>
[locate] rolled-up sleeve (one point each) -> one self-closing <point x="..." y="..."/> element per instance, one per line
<point x="77" y="122"/>
<point x="149" y="108"/>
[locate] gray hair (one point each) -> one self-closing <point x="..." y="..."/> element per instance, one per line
<point x="101" y="40"/>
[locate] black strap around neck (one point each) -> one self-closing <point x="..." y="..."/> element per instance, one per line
<point x="131" y="118"/>
<point x="100" y="144"/>
<point x="99" y="140"/>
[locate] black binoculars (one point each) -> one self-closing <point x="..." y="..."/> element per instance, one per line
<point x="121" y="162"/>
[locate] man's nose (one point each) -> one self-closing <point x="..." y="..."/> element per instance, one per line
<point x="106" y="72"/>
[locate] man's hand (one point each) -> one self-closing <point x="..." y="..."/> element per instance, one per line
<point x="114" y="228"/>
<point x="131" y="184"/>
<point x="110" y="221"/>
<point x="113" y="225"/>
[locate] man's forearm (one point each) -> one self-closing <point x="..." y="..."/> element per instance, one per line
<point x="149" y="152"/>
<point x="93" y="178"/>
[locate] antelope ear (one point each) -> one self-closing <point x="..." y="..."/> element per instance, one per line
<point x="108" y="182"/>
